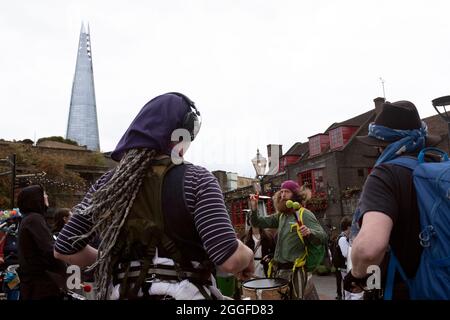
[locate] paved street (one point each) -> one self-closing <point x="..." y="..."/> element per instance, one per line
<point x="326" y="286"/>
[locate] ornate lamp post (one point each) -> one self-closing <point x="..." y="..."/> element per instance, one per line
<point x="259" y="163"/>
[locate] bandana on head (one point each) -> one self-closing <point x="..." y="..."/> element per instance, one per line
<point x="402" y="140"/>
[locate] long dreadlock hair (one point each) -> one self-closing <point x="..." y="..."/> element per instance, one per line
<point x="110" y="207"/>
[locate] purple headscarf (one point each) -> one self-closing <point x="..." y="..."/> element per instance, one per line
<point x="153" y="126"/>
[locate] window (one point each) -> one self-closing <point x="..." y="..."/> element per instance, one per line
<point x="305" y="178"/>
<point x="319" y="184"/>
<point x="336" y="138"/>
<point x="313" y="179"/>
<point x="360" y="172"/>
<point x="314" y="146"/>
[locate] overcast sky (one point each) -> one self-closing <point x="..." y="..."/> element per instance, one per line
<point x="259" y="71"/>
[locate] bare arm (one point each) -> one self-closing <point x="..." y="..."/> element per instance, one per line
<point x="241" y="261"/>
<point x="370" y="246"/>
<point x="83" y="258"/>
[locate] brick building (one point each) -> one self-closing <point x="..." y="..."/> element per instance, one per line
<point x="333" y="163"/>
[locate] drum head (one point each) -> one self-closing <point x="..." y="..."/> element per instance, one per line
<point x="265" y="283"/>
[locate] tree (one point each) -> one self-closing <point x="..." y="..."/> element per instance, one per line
<point x="27" y="141"/>
<point x="65" y="187"/>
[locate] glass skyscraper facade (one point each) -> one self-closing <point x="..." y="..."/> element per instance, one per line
<point x="82" y="126"/>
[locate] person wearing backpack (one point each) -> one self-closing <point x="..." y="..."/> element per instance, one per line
<point x="162" y="222"/>
<point x="298" y="233"/>
<point x="394" y="232"/>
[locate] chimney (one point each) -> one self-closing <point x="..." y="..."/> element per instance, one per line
<point x="277" y="148"/>
<point x="378" y="104"/>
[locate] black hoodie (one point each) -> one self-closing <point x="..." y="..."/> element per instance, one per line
<point x="35" y="239"/>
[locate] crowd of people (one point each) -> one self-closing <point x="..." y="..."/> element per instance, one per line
<point x="156" y="227"/>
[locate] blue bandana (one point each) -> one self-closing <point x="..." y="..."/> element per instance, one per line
<point x="402" y="140"/>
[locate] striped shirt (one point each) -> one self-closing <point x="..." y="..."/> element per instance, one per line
<point x="204" y="200"/>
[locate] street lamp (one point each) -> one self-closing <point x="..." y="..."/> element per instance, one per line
<point x="259" y="163"/>
<point x="442" y="102"/>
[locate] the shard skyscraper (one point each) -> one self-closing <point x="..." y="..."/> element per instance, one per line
<point x="82" y="126"/>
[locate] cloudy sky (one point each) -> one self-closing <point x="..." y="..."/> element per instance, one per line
<point x="260" y="71"/>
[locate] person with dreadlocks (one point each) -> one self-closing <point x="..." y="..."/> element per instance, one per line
<point x="163" y="227"/>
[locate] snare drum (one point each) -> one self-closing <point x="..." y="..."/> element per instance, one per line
<point x="266" y="289"/>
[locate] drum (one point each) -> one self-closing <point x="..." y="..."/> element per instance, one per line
<point x="266" y="289"/>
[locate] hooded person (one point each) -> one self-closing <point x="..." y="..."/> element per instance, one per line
<point x="163" y="224"/>
<point x="41" y="275"/>
<point x="8" y="240"/>
<point x="290" y="252"/>
<point x="387" y="215"/>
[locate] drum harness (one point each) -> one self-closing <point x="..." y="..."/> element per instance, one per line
<point x="143" y="234"/>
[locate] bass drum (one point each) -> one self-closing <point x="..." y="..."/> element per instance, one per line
<point x="266" y="289"/>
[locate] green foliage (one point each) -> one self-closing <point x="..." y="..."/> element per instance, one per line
<point x="65" y="187"/>
<point x="5" y="187"/>
<point x="349" y="193"/>
<point x="58" y="139"/>
<point x="27" y="141"/>
<point x="95" y="159"/>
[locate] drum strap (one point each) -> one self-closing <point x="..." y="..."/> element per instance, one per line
<point x="257" y="246"/>
<point x="301" y="261"/>
<point x="299" y="281"/>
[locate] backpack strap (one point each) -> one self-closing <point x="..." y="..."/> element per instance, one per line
<point x="405" y="161"/>
<point x="300" y="261"/>
<point x="421" y="156"/>
<point x="178" y="221"/>
<point x="411" y="162"/>
<point x="393" y="266"/>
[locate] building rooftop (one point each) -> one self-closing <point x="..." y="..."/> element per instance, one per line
<point x="357" y="121"/>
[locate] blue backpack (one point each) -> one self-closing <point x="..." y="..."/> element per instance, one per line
<point x="432" y="184"/>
